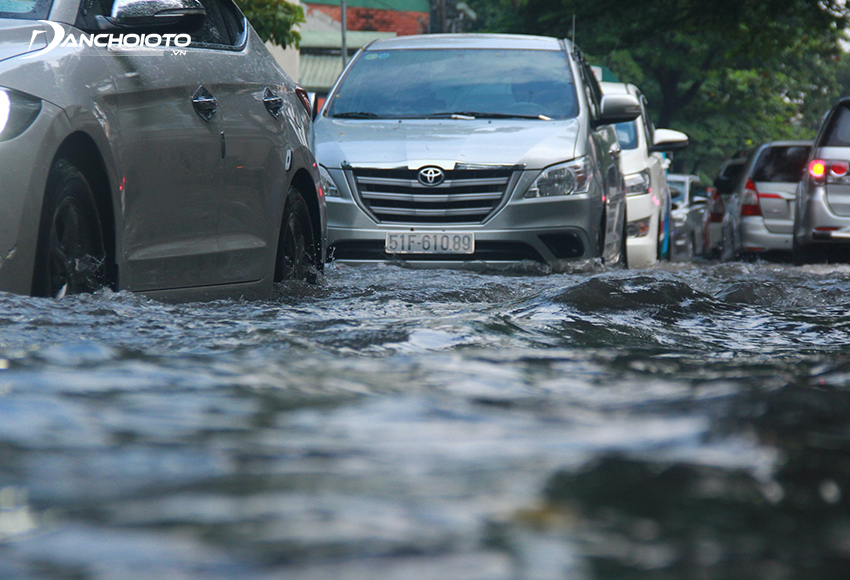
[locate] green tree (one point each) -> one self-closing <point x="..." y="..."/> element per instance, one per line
<point x="274" y="20"/>
<point x="731" y="73"/>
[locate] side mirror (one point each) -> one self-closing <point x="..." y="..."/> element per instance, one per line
<point x="155" y="12"/>
<point x="618" y="109"/>
<point x="699" y="200"/>
<point x="669" y="140"/>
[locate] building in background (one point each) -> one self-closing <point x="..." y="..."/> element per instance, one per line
<point x="320" y="58"/>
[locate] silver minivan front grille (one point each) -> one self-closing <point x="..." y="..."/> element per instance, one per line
<point x="465" y="196"/>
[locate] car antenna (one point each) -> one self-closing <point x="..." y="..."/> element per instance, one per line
<point x="574" y="29"/>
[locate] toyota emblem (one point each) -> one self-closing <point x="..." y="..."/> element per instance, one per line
<point x="431" y="176"/>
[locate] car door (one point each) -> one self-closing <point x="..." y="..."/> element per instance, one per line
<point x="167" y="136"/>
<point x="257" y="121"/>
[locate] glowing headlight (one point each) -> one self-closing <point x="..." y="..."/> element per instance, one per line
<point x="17" y="112"/>
<point x="563" y="179"/>
<point x="637" y="183"/>
<point x="328" y="185"/>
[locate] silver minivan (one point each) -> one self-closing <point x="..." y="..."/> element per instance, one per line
<point x="451" y="149"/>
<point x="822" y="219"/>
<point x="767" y="195"/>
<point x="152" y="146"/>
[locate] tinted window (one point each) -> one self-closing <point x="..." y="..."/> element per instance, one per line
<point x="781" y="164"/>
<point x="423" y="83"/>
<point x="838" y="134"/>
<point x="25" y="9"/>
<point x="627" y="134"/>
<point x="222" y="26"/>
<point x="730" y="177"/>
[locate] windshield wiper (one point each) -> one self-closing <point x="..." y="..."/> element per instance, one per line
<point x="357" y="115"/>
<point x="483" y="115"/>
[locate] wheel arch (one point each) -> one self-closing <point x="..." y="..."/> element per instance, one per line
<point x="81" y="150"/>
<point x="303" y="182"/>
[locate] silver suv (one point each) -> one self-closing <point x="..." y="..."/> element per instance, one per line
<point x="447" y="149"/>
<point x="822" y="218"/>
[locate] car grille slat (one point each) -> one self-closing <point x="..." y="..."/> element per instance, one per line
<point x="466" y="195"/>
<point x="431" y="198"/>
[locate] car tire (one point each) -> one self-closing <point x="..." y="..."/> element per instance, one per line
<point x="811" y="254"/>
<point x="70" y="255"/>
<point x="296" y="254"/>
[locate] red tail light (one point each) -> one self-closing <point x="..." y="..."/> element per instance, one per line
<point x="817" y="169"/>
<point x="305" y="100"/>
<point x="750" y="203"/>
<point x="838" y="168"/>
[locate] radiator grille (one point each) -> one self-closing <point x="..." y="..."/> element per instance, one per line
<point x="466" y="195"/>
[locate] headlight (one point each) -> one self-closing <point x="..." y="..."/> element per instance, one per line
<point x="563" y="179"/>
<point x="638" y="229"/>
<point x="638" y="183"/>
<point x="17" y="112"/>
<point x="328" y="185"/>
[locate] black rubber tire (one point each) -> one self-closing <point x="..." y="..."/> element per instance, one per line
<point x="70" y="256"/>
<point x="622" y="260"/>
<point x="296" y="253"/>
<point x="811" y="254"/>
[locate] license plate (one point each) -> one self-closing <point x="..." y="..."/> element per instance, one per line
<point x="429" y="243"/>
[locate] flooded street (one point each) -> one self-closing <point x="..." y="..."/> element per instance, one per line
<point x="688" y="421"/>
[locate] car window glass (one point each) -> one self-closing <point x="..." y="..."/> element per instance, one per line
<point x="732" y="174"/>
<point x="677" y="190"/>
<point x="627" y="134"/>
<point x="838" y="134"/>
<point x="781" y="164"/>
<point x="222" y="25"/>
<point x="429" y="82"/>
<point x="592" y="91"/>
<point x="25" y="9"/>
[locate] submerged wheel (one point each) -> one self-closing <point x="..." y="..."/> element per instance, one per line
<point x="296" y="254"/>
<point x="70" y="256"/>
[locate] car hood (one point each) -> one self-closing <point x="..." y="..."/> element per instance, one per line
<point x="17" y="35"/>
<point x="445" y="143"/>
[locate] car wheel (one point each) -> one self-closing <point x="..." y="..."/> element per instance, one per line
<point x="296" y="255"/>
<point x="807" y="254"/>
<point x="70" y="256"/>
<point x="620" y="260"/>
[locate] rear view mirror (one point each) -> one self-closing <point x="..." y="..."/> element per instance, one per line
<point x="155" y="12"/>
<point x="618" y="109"/>
<point x="314" y="104"/>
<point x="669" y="140"/>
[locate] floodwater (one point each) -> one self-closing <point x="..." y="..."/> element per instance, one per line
<point x="687" y="421"/>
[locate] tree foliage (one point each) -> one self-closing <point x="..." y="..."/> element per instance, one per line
<point x="274" y="20"/>
<point x="730" y="73"/>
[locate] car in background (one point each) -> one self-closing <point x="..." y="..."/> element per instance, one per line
<point x="822" y="218"/>
<point x="722" y="234"/>
<point x="178" y="169"/>
<point x="445" y="150"/>
<point x="768" y="194"/>
<point x="689" y="198"/>
<point x="644" y="168"/>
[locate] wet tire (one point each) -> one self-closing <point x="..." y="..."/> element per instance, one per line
<point x="296" y="254"/>
<point x="70" y="256"/>
<point x="803" y="255"/>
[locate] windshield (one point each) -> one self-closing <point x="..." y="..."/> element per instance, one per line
<point x="468" y="83"/>
<point x="25" y="9"/>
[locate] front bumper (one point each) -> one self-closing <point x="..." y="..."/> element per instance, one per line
<point x="24" y="167"/>
<point x="643" y="251"/>
<point x="546" y="230"/>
